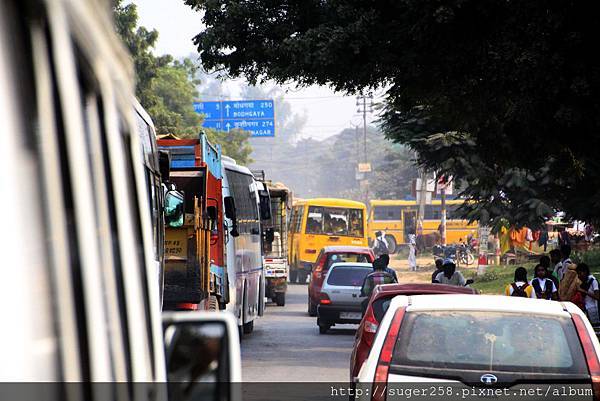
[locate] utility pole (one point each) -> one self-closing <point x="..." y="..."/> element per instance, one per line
<point x="422" y="201"/>
<point x="365" y="105"/>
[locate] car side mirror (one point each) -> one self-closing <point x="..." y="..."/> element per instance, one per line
<point x="202" y="356"/>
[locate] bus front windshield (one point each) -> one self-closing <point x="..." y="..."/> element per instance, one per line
<point x="335" y="221"/>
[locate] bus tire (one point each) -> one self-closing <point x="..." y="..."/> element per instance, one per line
<point x="392" y="245"/>
<point x="249" y="327"/>
<point x="213" y="304"/>
<point x="280" y="298"/>
<point x="293" y="275"/>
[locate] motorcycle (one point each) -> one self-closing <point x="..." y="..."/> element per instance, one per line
<point x="460" y="253"/>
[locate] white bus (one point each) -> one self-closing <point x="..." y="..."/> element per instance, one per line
<point x="243" y="245"/>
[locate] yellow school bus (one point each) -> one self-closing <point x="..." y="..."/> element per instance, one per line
<point x="398" y="218"/>
<point x="317" y="223"/>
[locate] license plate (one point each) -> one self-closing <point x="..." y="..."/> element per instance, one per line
<point x="350" y="315"/>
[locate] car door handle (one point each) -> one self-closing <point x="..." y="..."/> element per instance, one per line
<point x="354" y="295"/>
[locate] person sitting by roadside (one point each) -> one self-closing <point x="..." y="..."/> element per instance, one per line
<point x="545" y="261"/>
<point x="450" y="275"/>
<point x="590" y="289"/>
<point x="439" y="267"/>
<point x="544" y="287"/>
<point x="520" y="287"/>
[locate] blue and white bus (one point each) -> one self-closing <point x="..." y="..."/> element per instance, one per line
<point x="243" y="245"/>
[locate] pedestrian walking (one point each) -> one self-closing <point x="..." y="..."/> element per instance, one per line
<point x="565" y="252"/>
<point x="590" y="290"/>
<point x="385" y="259"/>
<point x="545" y="261"/>
<point x="412" y="252"/>
<point x="378" y="276"/>
<point x="380" y="247"/>
<point x="543" y="287"/>
<point x="520" y="287"/>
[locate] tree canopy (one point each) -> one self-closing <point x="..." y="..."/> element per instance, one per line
<point x="503" y="95"/>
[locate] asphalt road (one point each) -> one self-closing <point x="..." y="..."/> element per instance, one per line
<point x="286" y="345"/>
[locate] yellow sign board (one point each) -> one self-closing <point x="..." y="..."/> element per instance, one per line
<point x="364" y="167"/>
<point x="176" y="243"/>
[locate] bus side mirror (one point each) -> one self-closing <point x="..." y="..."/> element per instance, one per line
<point x="164" y="165"/>
<point x="202" y="356"/>
<point x="269" y="235"/>
<point x="230" y="213"/>
<point x="265" y="204"/>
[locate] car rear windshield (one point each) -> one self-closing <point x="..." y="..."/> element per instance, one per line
<point x="349" y="276"/>
<point x="492" y="341"/>
<point x="341" y="257"/>
<point x="380" y="306"/>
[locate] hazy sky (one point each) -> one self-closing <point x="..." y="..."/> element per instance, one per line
<point x="328" y="112"/>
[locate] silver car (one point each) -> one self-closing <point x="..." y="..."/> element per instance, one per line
<point x="340" y="300"/>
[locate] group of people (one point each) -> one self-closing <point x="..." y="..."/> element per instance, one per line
<point x="445" y="273"/>
<point x="565" y="281"/>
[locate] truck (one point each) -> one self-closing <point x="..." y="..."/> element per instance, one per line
<point x="195" y="276"/>
<point x="274" y="239"/>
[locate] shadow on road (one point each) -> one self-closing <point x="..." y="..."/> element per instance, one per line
<point x="282" y="312"/>
<point x="340" y="331"/>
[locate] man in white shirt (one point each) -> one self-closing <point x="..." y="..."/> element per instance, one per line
<point x="589" y="287"/>
<point x="543" y="287"/>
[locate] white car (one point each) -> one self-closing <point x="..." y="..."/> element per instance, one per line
<point x="458" y="347"/>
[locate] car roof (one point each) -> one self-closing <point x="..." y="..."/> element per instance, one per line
<point x="346" y="248"/>
<point x="492" y="303"/>
<point x="385" y="290"/>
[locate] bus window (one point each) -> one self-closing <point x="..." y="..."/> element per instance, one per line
<point x="387" y="213"/>
<point x="433" y="212"/>
<point x="334" y="221"/>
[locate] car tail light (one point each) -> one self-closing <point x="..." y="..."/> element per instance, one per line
<point x="590" y="354"/>
<point x="324" y="299"/>
<point x="318" y="271"/>
<point x="385" y="357"/>
<point x="311" y="251"/>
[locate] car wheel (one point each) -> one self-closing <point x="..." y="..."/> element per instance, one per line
<point x="312" y="308"/>
<point x="279" y="298"/>
<point x="323" y="326"/>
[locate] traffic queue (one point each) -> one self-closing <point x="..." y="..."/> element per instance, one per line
<point x="444" y="331"/>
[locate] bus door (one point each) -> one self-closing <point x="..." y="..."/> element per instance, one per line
<point x="409" y="223"/>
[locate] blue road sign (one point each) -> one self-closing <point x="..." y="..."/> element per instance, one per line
<point x="255" y="116"/>
<point x="211" y="110"/>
